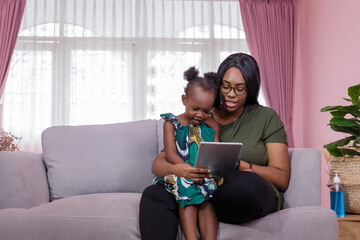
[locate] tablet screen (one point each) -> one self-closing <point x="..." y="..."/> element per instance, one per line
<point x="219" y="157"/>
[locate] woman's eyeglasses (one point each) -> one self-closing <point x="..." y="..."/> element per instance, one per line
<point x="224" y="88"/>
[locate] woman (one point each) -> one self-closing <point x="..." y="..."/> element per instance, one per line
<point x="255" y="188"/>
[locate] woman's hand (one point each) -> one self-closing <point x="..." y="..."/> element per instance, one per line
<point x="278" y="170"/>
<point x="245" y="166"/>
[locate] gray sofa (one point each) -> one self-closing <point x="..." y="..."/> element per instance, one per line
<point x="87" y="184"/>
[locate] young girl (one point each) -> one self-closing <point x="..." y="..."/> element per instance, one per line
<point x="182" y="136"/>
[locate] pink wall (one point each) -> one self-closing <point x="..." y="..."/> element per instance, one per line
<point x="327" y="62"/>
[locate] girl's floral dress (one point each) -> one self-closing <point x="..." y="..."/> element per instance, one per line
<point x="187" y="139"/>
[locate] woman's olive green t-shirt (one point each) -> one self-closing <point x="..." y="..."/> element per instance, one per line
<point x="256" y="126"/>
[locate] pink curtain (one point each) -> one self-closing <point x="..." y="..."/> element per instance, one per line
<point x="269" y="29"/>
<point x="11" y="12"/>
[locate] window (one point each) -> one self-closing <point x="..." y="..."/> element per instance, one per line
<point x="98" y="61"/>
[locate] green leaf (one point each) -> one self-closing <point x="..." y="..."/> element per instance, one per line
<point x="351" y="109"/>
<point x="341" y="142"/>
<point x="350" y="152"/>
<point x="355" y="131"/>
<point x="329" y="108"/>
<point x="357" y="140"/>
<point x="343" y="122"/>
<point x="334" y="151"/>
<point x="347" y="99"/>
<point x="354" y="93"/>
<point x="338" y="114"/>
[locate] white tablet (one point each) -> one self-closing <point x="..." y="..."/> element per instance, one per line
<point x="219" y="157"/>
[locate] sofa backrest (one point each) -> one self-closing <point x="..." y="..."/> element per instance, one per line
<point x="99" y="158"/>
<point x="23" y="182"/>
<point x="305" y="180"/>
<point x="160" y="134"/>
<point x="118" y="158"/>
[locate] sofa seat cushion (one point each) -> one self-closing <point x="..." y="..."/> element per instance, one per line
<point x="105" y="216"/>
<point x="309" y="222"/>
<point x="99" y="158"/>
<point x="111" y="216"/>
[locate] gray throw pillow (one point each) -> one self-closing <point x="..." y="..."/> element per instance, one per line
<point x="99" y="158"/>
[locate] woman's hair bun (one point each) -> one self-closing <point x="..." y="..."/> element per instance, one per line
<point x="191" y="74"/>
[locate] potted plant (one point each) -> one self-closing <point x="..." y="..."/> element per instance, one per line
<point x="345" y="152"/>
<point x="346" y="119"/>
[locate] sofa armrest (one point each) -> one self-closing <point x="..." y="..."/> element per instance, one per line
<point x="305" y="180"/>
<point x="23" y="182"/>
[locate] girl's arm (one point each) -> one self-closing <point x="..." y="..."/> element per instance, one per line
<point x="161" y="167"/>
<point x="169" y="143"/>
<point x="278" y="170"/>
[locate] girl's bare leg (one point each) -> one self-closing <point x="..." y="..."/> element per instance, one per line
<point x="208" y="222"/>
<point x="188" y="221"/>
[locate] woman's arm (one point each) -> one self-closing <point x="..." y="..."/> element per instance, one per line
<point x="161" y="167"/>
<point x="278" y="170"/>
<point x="169" y="143"/>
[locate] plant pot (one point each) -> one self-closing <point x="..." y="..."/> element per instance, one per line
<point x="349" y="173"/>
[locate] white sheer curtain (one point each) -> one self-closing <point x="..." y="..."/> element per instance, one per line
<point x="106" y="61"/>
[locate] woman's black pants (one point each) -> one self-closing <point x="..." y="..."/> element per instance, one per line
<point x="242" y="197"/>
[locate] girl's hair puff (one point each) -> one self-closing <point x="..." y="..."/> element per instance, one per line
<point x="209" y="82"/>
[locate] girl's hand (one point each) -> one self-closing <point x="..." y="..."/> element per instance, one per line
<point x="193" y="173"/>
